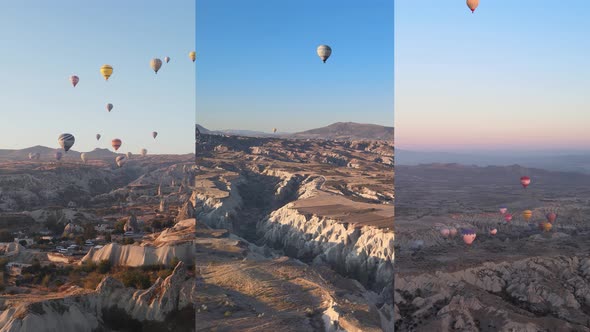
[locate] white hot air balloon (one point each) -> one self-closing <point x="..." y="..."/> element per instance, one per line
<point x="143" y="152"/>
<point x="167" y="59"/>
<point x="83" y="156"/>
<point x="120" y="160"/>
<point x="324" y="52"/>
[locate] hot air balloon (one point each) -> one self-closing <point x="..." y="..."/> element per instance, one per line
<point x="472" y="4"/>
<point x="551" y="216"/>
<point x="525" y="181"/>
<point x="129" y="154"/>
<point x="106" y="71"/>
<point x="167" y="59"/>
<point x="97" y="137"/>
<point x="527" y="215"/>
<point x="66" y="141"/>
<point x="493" y="231"/>
<point x="324" y="52"/>
<point x="508" y="217"/>
<point x="154" y="134"/>
<point x="193" y="55"/>
<point x="116" y="143"/>
<point x="109" y="107"/>
<point x="143" y="152"/>
<point x="453" y="231"/>
<point x="503" y="210"/>
<point x="58" y="155"/>
<point x="547" y="226"/>
<point x="274" y="130"/>
<point x="74" y="80"/>
<point x="120" y="160"/>
<point x="31" y="155"/>
<point x="83" y="156"/>
<point x="445" y="232"/>
<point x="156" y="64"/>
<point x="468" y="236"/>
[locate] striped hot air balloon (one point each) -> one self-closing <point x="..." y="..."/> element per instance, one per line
<point x="116" y="144"/>
<point x="508" y="217"/>
<point x="66" y="141"/>
<point x="106" y="71"/>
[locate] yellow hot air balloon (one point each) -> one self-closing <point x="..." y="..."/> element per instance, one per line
<point x="527" y="215"/>
<point x="106" y="71"/>
<point x="547" y="226"/>
<point x="192" y="55"/>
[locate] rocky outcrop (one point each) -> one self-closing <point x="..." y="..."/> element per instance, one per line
<point x="365" y="253"/>
<point x="137" y="255"/>
<point x="89" y="311"/>
<point x="186" y="212"/>
<point x="535" y="294"/>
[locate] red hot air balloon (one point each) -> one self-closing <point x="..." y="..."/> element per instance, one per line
<point x="551" y="216"/>
<point x="525" y="181"/>
<point x="508" y="217"/>
<point x="116" y="143"/>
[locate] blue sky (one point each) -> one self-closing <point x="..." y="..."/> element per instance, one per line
<point x="513" y="76"/>
<point x="44" y="42"/>
<point x="257" y="66"/>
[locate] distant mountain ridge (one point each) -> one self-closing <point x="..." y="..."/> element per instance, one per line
<point x="335" y="131"/>
<point x="349" y="131"/>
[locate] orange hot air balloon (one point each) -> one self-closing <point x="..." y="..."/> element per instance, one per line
<point x="493" y="231"/>
<point x="468" y="236"/>
<point x="116" y="143"/>
<point x="547" y="226"/>
<point x="525" y="181"/>
<point x="551" y="216"/>
<point x="472" y="4"/>
<point x="527" y="215"/>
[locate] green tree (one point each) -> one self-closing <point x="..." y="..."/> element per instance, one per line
<point x="107" y="237"/>
<point x="79" y="240"/>
<point x="89" y="232"/>
<point x="119" y="227"/>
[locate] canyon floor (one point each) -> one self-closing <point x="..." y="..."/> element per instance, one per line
<point x="521" y="279"/>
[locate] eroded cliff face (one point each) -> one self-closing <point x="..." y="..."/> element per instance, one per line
<point x="535" y="294"/>
<point x="364" y="253"/>
<point x="110" y="306"/>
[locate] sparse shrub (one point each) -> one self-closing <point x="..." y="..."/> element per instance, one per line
<point x="135" y="278"/>
<point x="104" y="266"/>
